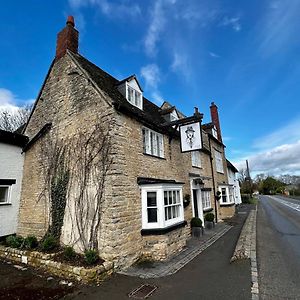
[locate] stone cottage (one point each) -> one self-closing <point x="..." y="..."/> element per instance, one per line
<point x="128" y="190"/>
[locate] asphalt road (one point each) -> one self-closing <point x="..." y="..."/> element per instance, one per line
<point x="278" y="247"/>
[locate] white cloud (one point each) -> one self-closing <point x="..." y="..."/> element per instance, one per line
<point x="284" y="159"/>
<point x="279" y="26"/>
<point x="151" y="75"/>
<point x="234" y="23"/>
<point x="214" y="55"/>
<point x="9" y="101"/>
<point x="113" y="10"/>
<point x="286" y="134"/>
<point x="181" y="65"/>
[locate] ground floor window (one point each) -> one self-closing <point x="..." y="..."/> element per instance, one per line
<point x="4" y="194"/>
<point x="206" y="204"/>
<point x="226" y="194"/>
<point x="162" y="205"/>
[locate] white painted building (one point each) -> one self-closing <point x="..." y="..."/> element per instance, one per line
<point x="11" y="169"/>
<point x="232" y="180"/>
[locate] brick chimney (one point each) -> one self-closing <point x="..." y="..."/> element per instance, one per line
<point x="67" y="39"/>
<point x="215" y="119"/>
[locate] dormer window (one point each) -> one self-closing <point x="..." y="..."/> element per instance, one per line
<point x="173" y="116"/>
<point x="214" y="132"/>
<point x="132" y="91"/>
<point x="134" y="97"/>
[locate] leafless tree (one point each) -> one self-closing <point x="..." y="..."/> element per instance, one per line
<point x="12" y="120"/>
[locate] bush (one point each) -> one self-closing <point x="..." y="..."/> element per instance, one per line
<point x="30" y="242"/>
<point x="91" y="257"/>
<point x="49" y="243"/>
<point x="196" y="222"/>
<point x="246" y="198"/>
<point x="209" y="217"/>
<point x="69" y="253"/>
<point x="14" y="241"/>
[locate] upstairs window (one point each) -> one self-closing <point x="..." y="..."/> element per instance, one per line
<point x="196" y="159"/>
<point x="153" y="143"/>
<point x="134" y="97"/>
<point x="173" y="116"/>
<point x="219" y="162"/>
<point x="214" y="132"/>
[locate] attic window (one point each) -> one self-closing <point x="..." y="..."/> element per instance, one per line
<point x="173" y="116"/>
<point x="214" y="132"/>
<point x="134" y="97"/>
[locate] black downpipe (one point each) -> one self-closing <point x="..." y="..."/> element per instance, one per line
<point x="213" y="179"/>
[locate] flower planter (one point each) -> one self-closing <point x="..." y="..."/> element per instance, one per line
<point x="197" y="231"/>
<point x="209" y="225"/>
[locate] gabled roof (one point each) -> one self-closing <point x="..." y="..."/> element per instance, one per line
<point x="129" y="78"/>
<point x="150" y="115"/>
<point x="13" y="138"/>
<point x="231" y="166"/>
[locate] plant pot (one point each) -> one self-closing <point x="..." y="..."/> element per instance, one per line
<point x="197" y="231"/>
<point x="209" y="225"/>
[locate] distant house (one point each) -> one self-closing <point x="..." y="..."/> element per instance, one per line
<point x="11" y="168"/>
<point x="150" y="191"/>
<point x="235" y="192"/>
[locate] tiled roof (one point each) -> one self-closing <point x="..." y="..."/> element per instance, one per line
<point x="108" y="84"/>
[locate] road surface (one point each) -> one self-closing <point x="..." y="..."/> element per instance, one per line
<point x="278" y="247"/>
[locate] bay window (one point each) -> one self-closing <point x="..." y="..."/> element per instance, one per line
<point x="226" y="195"/>
<point x="162" y="205"/>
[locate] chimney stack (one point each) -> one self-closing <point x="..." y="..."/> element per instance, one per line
<point x="215" y="119"/>
<point x="67" y="39"/>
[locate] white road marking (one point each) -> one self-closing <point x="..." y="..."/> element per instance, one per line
<point x="292" y="205"/>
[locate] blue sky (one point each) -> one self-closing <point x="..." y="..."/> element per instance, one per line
<point x="243" y="55"/>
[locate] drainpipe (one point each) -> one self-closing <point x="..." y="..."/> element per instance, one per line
<point x="213" y="179"/>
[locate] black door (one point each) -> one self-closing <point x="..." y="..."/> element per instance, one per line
<point x="195" y="203"/>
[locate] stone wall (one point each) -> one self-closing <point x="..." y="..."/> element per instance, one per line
<point x="46" y="262"/>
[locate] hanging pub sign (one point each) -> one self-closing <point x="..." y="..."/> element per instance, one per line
<point x="190" y="136"/>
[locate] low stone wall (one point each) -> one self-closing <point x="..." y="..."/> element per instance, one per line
<point x="46" y="262"/>
<point x="162" y="247"/>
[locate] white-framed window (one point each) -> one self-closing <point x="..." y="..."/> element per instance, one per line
<point x="153" y="142"/>
<point x="226" y="195"/>
<point x="134" y="97"/>
<point x="4" y="194"/>
<point x="205" y="196"/>
<point x="173" y="116"/>
<point x="162" y="205"/>
<point x="219" y="162"/>
<point x="196" y="159"/>
<point x="214" y="132"/>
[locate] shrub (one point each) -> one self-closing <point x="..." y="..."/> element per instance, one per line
<point x="69" y="253"/>
<point x="246" y="198"/>
<point x="91" y="257"/>
<point x="196" y="222"/>
<point x="30" y="242"/>
<point x="49" y="243"/>
<point x="14" y="241"/>
<point x="209" y="217"/>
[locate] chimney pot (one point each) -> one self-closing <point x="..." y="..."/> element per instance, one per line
<point x="70" y="21"/>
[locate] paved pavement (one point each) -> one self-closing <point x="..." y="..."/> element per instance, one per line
<point x="278" y="248"/>
<point x="209" y="275"/>
<point x="194" y="247"/>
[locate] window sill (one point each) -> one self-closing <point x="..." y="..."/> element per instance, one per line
<point x="197" y="167"/>
<point x="208" y="209"/>
<point x="227" y="204"/>
<point x="5" y="204"/>
<point x="220" y="172"/>
<point x="161" y="231"/>
<point x="154" y="156"/>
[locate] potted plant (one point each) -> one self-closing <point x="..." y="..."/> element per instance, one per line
<point x="196" y="225"/>
<point x="209" y="220"/>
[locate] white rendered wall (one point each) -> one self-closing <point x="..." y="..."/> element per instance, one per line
<point x="11" y="167"/>
<point x="233" y="180"/>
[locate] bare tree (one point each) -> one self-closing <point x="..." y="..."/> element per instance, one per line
<point x="12" y="120"/>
